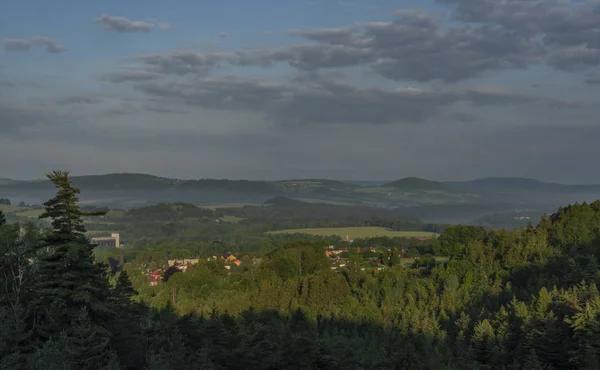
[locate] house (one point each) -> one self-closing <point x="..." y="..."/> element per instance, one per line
<point x="231" y="259"/>
<point x="112" y="241"/>
<point x="183" y="264"/>
<point x="154" y="277"/>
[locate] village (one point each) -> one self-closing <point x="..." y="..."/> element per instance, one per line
<point x="340" y="257"/>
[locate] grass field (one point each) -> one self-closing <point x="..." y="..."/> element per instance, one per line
<point x="358" y="232"/>
<point x="231" y="219"/>
<point x="21" y="211"/>
<point x="11" y="209"/>
<point x="32" y="213"/>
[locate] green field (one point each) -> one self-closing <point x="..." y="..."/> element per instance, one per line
<point x="32" y="213"/>
<point x="358" y="232"/>
<point x="231" y="219"/>
<point x="11" y="209"/>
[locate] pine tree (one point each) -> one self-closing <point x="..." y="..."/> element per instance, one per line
<point x="127" y="340"/>
<point x="87" y="344"/>
<point x="68" y="279"/>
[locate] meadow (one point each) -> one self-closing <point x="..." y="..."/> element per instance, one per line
<point x="358" y="232"/>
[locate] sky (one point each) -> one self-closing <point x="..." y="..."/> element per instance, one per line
<point x="270" y="89"/>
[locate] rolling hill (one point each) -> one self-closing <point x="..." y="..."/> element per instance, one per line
<point x="433" y="201"/>
<point x="416" y="184"/>
<point x="518" y="184"/>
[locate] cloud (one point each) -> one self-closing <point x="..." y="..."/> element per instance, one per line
<point x="413" y="47"/>
<point x="182" y="62"/>
<point x="17" y="120"/>
<point x="325" y="100"/>
<point x="557" y="24"/>
<point x="125" y="25"/>
<point x="79" y="99"/>
<point x="593" y="78"/>
<point x="126" y="76"/>
<point x="24" y="44"/>
<point x="164" y="109"/>
<point x="491" y="36"/>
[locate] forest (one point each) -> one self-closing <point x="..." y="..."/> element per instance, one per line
<point x="520" y="299"/>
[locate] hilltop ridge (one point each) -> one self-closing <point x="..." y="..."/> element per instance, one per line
<point x="416" y="184"/>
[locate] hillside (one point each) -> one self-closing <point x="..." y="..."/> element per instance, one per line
<point x="417" y="184"/>
<point x="434" y="201"/>
<point x="519" y="184"/>
<point x="4" y="181"/>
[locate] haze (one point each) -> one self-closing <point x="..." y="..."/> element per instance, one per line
<point x="340" y="89"/>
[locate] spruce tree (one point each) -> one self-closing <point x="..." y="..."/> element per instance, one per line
<point x="68" y="279"/>
<point x="127" y="337"/>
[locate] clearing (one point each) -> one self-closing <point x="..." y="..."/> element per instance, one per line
<point x="359" y="232"/>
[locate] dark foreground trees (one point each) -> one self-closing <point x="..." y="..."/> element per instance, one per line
<point x="526" y="299"/>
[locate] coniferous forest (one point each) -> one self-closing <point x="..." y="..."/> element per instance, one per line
<point x="521" y="299"/>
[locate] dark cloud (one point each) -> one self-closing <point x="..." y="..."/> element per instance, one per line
<point x="593" y="78"/>
<point x="182" y="62"/>
<point x="32" y="84"/>
<point x="17" y="120"/>
<point x="125" y="25"/>
<point x="24" y="44"/>
<point x="492" y="36"/>
<point x="558" y="24"/>
<point x="335" y="36"/>
<point x="326" y="100"/>
<point x="122" y="109"/>
<point x="79" y="99"/>
<point x="126" y="76"/>
<point x="415" y="46"/>
<point x="163" y="109"/>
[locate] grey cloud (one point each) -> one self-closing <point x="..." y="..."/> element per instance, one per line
<point x="52" y="46"/>
<point x="419" y="49"/>
<point x="125" y="76"/>
<point x="79" y="99"/>
<point x="325" y="100"/>
<point x="575" y="58"/>
<point x="413" y="47"/>
<point x="32" y="84"/>
<point x="124" y="25"/>
<point x="17" y="120"/>
<point x="164" y="109"/>
<point x="497" y="36"/>
<point x="593" y="78"/>
<point x="340" y="36"/>
<point x="123" y="109"/>
<point x="182" y="62"/>
<point x="558" y="23"/>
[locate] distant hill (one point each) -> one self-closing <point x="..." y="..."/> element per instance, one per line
<point x="4" y="181"/>
<point x="131" y="190"/>
<point x="143" y="182"/>
<point x="365" y="182"/>
<point x="416" y="184"/>
<point x="284" y="201"/>
<point x="518" y="184"/>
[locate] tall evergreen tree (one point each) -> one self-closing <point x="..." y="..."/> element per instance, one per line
<point x="127" y="338"/>
<point x="68" y="279"/>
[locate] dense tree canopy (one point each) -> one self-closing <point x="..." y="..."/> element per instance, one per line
<point x="522" y="299"/>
